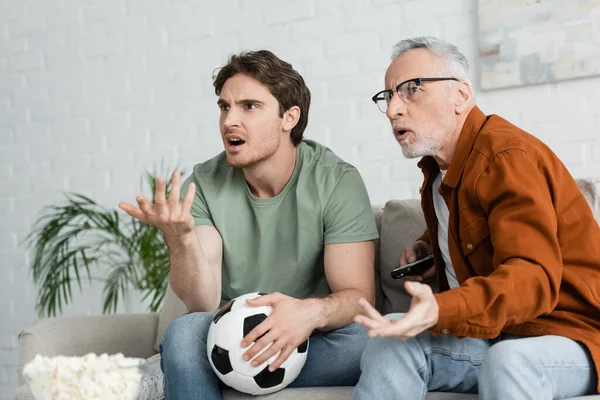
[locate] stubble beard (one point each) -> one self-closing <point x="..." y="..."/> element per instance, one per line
<point x="256" y="157"/>
<point x="423" y="146"/>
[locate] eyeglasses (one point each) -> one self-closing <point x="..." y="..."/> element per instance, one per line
<point x="409" y="91"/>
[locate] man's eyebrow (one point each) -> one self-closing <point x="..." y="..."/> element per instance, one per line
<point x="249" y="101"/>
<point x="222" y="102"/>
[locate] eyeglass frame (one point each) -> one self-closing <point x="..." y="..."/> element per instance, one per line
<point x="417" y="81"/>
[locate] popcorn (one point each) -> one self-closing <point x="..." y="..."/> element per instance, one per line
<point x="90" y="377"/>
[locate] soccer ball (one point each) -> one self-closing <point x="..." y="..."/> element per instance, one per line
<point x="231" y="324"/>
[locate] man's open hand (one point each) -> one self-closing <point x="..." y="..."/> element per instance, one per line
<point x="422" y="315"/>
<point x="291" y="322"/>
<point x="171" y="217"/>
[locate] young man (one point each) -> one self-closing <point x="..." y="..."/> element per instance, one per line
<point x="516" y="249"/>
<point x="273" y="213"/>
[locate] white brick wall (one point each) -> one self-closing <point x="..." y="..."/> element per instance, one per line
<point x="91" y="93"/>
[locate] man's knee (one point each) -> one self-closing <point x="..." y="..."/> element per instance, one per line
<point x="381" y="351"/>
<point x="504" y="361"/>
<point x="352" y="332"/>
<point x="187" y="334"/>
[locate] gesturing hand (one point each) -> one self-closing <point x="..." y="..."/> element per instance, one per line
<point x="171" y="217"/>
<point x="291" y="322"/>
<point x="422" y="315"/>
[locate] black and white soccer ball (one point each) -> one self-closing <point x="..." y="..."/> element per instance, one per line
<point x="231" y="324"/>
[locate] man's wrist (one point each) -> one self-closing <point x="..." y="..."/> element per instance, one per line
<point x="318" y="311"/>
<point x="179" y="240"/>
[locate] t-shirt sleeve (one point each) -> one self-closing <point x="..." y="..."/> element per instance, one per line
<point x="199" y="209"/>
<point x="348" y="216"/>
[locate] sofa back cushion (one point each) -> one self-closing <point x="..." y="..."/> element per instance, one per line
<point x="591" y="191"/>
<point x="402" y="224"/>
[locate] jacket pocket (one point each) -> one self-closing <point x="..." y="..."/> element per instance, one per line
<point x="473" y="235"/>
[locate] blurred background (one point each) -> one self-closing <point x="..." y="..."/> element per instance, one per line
<point x="95" y="92"/>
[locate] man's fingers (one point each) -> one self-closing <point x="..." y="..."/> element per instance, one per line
<point x="407" y="327"/>
<point x="133" y="211"/>
<point x="395" y="329"/>
<point x="284" y="355"/>
<point x="422" y="253"/>
<point x="175" y="187"/>
<point x="410" y="254"/>
<point x="416" y="289"/>
<point x="256" y="347"/>
<point x="255" y="333"/>
<point x="273" y="348"/>
<point x="403" y="260"/>
<point x="160" y="194"/>
<point x="368" y="322"/>
<point x="370" y="311"/>
<point x="144" y="204"/>
<point x="188" y="200"/>
<point x="264" y="300"/>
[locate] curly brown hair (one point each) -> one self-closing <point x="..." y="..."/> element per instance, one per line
<point x="283" y="81"/>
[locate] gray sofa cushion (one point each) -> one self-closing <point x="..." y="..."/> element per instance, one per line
<point x="329" y="393"/>
<point x="590" y="188"/>
<point x="402" y="224"/>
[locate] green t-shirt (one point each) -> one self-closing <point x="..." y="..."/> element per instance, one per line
<point x="277" y="244"/>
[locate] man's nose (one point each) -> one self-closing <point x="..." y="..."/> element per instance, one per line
<point x="395" y="107"/>
<point x="231" y="118"/>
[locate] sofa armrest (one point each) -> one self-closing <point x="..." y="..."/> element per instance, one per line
<point x="130" y="334"/>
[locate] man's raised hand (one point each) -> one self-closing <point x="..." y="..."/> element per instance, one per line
<point x="171" y="217"/>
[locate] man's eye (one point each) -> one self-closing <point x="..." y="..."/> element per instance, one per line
<point x="251" y="106"/>
<point x="223" y="107"/>
<point x="413" y="89"/>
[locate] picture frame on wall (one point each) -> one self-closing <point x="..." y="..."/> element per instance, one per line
<point x="526" y="42"/>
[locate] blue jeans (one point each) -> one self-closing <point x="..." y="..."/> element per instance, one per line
<point x="508" y="367"/>
<point x="333" y="359"/>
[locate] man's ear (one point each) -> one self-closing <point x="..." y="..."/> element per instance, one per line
<point x="464" y="98"/>
<point x="290" y="118"/>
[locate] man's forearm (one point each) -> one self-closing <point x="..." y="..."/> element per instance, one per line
<point x="191" y="276"/>
<point x="338" y="309"/>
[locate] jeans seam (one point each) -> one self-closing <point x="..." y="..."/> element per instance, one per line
<point x="456" y="357"/>
<point x="426" y="386"/>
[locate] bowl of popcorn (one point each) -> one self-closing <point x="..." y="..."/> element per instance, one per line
<point x="90" y="377"/>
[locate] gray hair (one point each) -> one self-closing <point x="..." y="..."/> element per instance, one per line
<point x="457" y="63"/>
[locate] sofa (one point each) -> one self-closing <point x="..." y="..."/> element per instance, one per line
<point x="138" y="335"/>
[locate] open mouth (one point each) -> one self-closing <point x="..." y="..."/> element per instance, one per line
<point x="235" y="142"/>
<point x="400" y="133"/>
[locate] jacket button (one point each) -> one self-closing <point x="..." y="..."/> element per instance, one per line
<point x="445" y="331"/>
<point x="469" y="246"/>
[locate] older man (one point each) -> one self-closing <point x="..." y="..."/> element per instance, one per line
<point x="516" y="250"/>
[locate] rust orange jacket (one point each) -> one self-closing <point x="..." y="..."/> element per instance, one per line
<point x="522" y="238"/>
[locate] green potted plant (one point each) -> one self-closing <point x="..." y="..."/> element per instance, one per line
<point x="69" y="239"/>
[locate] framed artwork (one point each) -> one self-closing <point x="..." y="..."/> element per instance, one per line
<point x="524" y="42"/>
